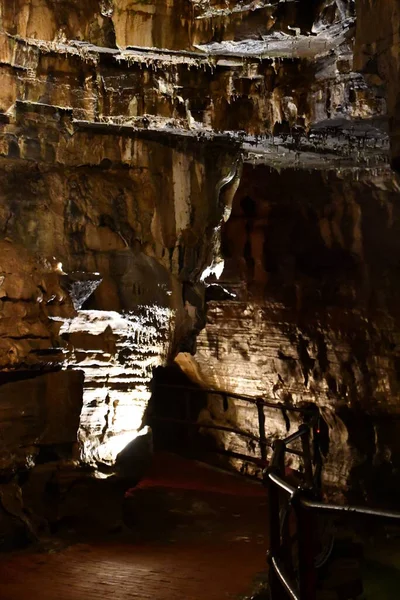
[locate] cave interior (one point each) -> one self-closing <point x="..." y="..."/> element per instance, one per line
<point x="199" y="249"/>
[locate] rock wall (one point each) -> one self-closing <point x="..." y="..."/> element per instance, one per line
<point x="123" y="238"/>
<point x="141" y="146"/>
<point x="117" y="354"/>
<point x="377" y="57"/>
<point x="312" y="262"/>
<point x="167" y="24"/>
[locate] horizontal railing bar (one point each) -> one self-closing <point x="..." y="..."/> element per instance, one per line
<point x="284" y="485"/>
<point x="348" y="509"/>
<point x="250" y="399"/>
<point x="289" y="588"/>
<point x="296" y="435"/>
<point x="333" y="508"/>
<point x="206" y="426"/>
<point x="253" y="459"/>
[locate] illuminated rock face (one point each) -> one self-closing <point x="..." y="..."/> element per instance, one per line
<point x="117" y="354"/>
<point x="132" y="136"/>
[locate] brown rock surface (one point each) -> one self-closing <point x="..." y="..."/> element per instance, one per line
<point x="131" y="136"/>
<point x="312" y="259"/>
<point x="43" y="411"/>
<point x="377" y="57"/>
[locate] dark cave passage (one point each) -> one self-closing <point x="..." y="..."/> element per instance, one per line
<point x="176" y="402"/>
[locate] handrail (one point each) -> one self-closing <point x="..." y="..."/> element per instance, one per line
<point x="250" y="399"/>
<point x="348" y="508"/>
<point x="201" y="425"/>
<point x="280" y="571"/>
<point x="284" y="485"/>
<point x="332" y="508"/>
<point x="259" y="402"/>
<point x="296" y="435"/>
<point x="304" y="507"/>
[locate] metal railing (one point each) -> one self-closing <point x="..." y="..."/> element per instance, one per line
<point x="261" y="439"/>
<point x="304" y="499"/>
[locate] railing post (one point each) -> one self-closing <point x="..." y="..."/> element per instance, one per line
<point x="261" y="429"/>
<point x="305" y="536"/>
<point x="305" y="443"/>
<point x="273" y="516"/>
<point x="274" y="533"/>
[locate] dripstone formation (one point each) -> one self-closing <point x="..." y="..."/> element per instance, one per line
<point x="152" y="154"/>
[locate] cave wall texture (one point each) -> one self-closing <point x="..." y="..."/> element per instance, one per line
<point x="146" y="148"/>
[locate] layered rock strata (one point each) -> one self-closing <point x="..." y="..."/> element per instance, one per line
<point x="311" y="262"/>
<point x="128" y="134"/>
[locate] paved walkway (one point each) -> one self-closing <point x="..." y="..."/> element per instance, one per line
<point x="198" y="534"/>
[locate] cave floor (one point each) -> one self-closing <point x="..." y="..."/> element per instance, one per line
<point x="189" y="532"/>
